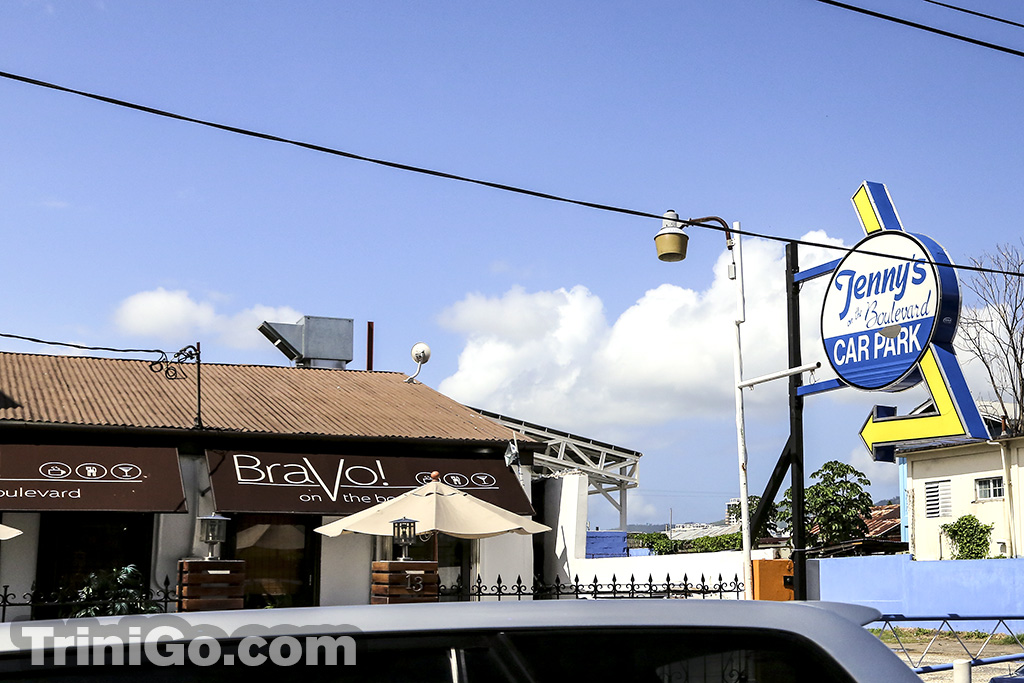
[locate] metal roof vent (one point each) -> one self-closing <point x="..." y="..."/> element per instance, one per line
<point x="313" y="342"/>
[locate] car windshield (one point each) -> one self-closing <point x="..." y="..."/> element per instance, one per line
<point x="554" y="655"/>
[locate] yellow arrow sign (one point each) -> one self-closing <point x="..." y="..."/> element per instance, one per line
<point x="956" y="414"/>
<point x="944" y="423"/>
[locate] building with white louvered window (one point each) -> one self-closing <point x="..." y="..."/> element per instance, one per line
<point x="946" y="482"/>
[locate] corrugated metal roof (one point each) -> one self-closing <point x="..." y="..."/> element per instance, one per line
<point x="74" y="390"/>
<point x="884" y="519"/>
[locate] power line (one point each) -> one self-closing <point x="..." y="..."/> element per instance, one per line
<point x="923" y="27"/>
<point x="459" y="178"/>
<point x="977" y="14"/>
<point x="79" y="346"/>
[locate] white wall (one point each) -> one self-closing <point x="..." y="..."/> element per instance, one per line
<point x="509" y="556"/>
<point x="567" y="497"/>
<point x="345" y="568"/>
<point x="962" y="466"/>
<point x="176" y="536"/>
<point x="18" y="558"/>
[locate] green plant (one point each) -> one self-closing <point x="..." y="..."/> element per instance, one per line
<point x="660" y="544"/>
<point x="835" y="507"/>
<point x="714" y="544"/>
<point x="770" y="526"/>
<point x="970" y="538"/>
<point x="115" y="592"/>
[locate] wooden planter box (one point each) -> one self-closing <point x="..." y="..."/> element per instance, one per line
<point x="400" y="582"/>
<point x="205" y="585"/>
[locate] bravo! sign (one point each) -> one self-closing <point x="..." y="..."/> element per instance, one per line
<point x="335" y="484"/>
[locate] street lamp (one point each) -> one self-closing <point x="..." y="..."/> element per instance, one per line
<point x="671" y="244"/>
<point x="671" y="240"/>
<point x="213" y="529"/>
<point x="404" y="531"/>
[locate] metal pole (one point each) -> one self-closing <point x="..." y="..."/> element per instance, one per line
<point x="199" y="389"/>
<point x="796" y="426"/>
<point x="780" y="374"/>
<point x="735" y="247"/>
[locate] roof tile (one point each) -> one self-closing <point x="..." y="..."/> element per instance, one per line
<point x="244" y="398"/>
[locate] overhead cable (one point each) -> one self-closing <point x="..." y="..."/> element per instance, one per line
<point x="923" y="27"/>
<point x="976" y="14"/>
<point x="78" y="346"/>
<point x="452" y="176"/>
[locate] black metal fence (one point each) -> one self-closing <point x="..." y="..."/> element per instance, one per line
<point x="65" y="604"/>
<point x="720" y="590"/>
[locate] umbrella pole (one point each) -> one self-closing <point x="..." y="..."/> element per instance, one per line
<point x="435" y="546"/>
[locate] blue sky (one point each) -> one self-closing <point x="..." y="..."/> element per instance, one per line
<point x="125" y="229"/>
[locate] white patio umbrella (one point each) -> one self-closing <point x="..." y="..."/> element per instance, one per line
<point x="8" y="532"/>
<point x="436" y="507"/>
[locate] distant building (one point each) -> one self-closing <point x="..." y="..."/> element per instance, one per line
<point x="882" y="538"/>
<point x="688" y="532"/>
<point x="732" y="511"/>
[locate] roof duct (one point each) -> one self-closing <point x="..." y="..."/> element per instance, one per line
<point x="313" y="342"/>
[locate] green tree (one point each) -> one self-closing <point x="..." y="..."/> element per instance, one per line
<point x="836" y="506"/>
<point x="771" y="523"/>
<point x="714" y="544"/>
<point x="660" y="544"/>
<point x="970" y="538"/>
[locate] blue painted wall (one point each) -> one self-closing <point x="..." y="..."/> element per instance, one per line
<point x="896" y="584"/>
<point x="606" y="544"/>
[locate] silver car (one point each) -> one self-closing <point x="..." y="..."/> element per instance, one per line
<point x="539" y="641"/>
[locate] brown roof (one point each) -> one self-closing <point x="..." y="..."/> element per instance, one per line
<point x="254" y="399"/>
<point x="884" y="519"/>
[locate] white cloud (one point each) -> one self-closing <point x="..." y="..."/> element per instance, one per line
<point x="553" y="356"/>
<point x="174" y="316"/>
<point x="884" y="476"/>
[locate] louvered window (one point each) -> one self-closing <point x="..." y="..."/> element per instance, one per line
<point x="937" y="499"/>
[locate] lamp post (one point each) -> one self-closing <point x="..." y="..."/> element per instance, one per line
<point x="213" y="529"/>
<point x="404" y="531"/>
<point x="671" y="244"/>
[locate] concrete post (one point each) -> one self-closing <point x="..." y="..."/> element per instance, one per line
<point x="962" y="671"/>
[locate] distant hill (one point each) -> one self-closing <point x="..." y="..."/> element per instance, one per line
<point x="645" y="528"/>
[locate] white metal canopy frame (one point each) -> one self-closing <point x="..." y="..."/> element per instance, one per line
<point x="436" y="507"/>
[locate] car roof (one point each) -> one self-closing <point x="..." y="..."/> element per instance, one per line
<point x="836" y="628"/>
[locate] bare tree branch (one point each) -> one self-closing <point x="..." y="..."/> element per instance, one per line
<point x="993" y="329"/>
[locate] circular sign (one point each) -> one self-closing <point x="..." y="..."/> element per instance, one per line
<point x="455" y="479"/>
<point x="126" y="470"/>
<point x="54" y="470"/>
<point x="483" y="479"/>
<point x="887" y="300"/>
<point x="91" y="470"/>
